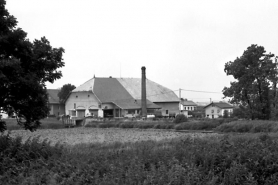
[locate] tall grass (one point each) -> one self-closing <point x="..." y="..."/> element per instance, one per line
<point x="252" y="126"/>
<point x="200" y="125"/>
<point x="207" y="124"/>
<point x="217" y="160"/>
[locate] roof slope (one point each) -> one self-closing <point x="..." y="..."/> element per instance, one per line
<point x="53" y="96"/>
<point x="87" y="86"/>
<point x="222" y="105"/>
<point x="188" y="103"/>
<point x="155" y="92"/>
<point x="109" y="90"/>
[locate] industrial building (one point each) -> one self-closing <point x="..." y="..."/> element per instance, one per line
<point x="119" y="97"/>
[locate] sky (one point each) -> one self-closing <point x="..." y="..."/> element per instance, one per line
<point x="184" y="44"/>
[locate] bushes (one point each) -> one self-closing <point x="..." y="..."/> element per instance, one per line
<point x="26" y="163"/>
<point x="253" y="126"/>
<point x="225" y="160"/>
<point x="201" y="125"/>
<point x="180" y="118"/>
<point x="130" y="124"/>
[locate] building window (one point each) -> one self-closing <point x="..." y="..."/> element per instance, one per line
<point x="73" y="113"/>
<point x="74" y="106"/>
<point x="212" y="111"/>
<point x="166" y="111"/>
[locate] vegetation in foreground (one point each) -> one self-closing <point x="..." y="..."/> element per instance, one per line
<point x="240" y="159"/>
<point x="218" y="125"/>
<point x="251" y="126"/>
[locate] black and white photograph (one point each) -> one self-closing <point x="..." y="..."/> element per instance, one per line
<point x="138" y="92"/>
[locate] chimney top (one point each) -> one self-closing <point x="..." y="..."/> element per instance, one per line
<point x="143" y="68"/>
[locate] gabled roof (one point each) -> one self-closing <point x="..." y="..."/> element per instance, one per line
<point x="53" y="96"/>
<point x="188" y="103"/>
<point x="109" y="90"/>
<point x="155" y="92"/>
<point x="112" y="89"/>
<point x="222" y="105"/>
<point x="87" y="86"/>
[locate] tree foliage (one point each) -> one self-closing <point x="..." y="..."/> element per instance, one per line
<point x="66" y="89"/>
<point x="226" y="114"/>
<point x="180" y="118"/>
<point x="255" y="73"/>
<point x="25" y="67"/>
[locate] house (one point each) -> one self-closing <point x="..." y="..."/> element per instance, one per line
<point x="119" y="97"/>
<point x="216" y="109"/>
<point x="56" y="108"/>
<point x="188" y="105"/>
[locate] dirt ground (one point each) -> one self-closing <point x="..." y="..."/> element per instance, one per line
<point x="72" y="136"/>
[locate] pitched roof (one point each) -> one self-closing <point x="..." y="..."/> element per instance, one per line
<point x="109" y="89"/>
<point x="222" y="105"/>
<point x="112" y="89"/>
<point x="188" y="103"/>
<point x="87" y="86"/>
<point x="53" y="96"/>
<point x="155" y="92"/>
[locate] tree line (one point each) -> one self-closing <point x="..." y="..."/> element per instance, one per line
<point x="255" y="87"/>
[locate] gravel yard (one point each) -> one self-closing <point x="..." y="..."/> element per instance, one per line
<point x="79" y="135"/>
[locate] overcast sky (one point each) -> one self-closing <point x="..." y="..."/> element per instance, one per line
<point x="183" y="44"/>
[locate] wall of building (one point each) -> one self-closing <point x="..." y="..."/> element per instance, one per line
<point x="190" y="108"/>
<point x="81" y="100"/>
<point x="56" y="109"/>
<point x="215" y="112"/>
<point x="168" y="107"/>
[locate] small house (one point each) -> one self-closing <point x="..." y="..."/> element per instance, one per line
<point x="217" y="109"/>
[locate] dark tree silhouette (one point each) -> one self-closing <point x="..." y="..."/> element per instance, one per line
<point x="65" y="91"/>
<point x="255" y="73"/>
<point x="25" y="67"/>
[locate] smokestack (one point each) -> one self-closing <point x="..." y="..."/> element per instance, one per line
<point x="143" y="94"/>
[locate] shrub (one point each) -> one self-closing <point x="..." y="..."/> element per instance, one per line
<point x="201" y="125"/>
<point x="253" y="126"/>
<point x="234" y="159"/>
<point x="180" y="118"/>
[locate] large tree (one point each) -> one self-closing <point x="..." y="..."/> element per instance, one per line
<point x="255" y="73"/>
<point x="25" y="67"/>
<point x="63" y="94"/>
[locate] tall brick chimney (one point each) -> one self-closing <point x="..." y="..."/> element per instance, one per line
<point x="143" y="94"/>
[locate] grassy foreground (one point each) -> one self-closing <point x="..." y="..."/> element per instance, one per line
<point x="240" y="159"/>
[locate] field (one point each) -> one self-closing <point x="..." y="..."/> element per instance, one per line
<point x="95" y="155"/>
<point x="72" y="136"/>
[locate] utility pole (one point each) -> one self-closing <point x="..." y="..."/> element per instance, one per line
<point x="180" y="101"/>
